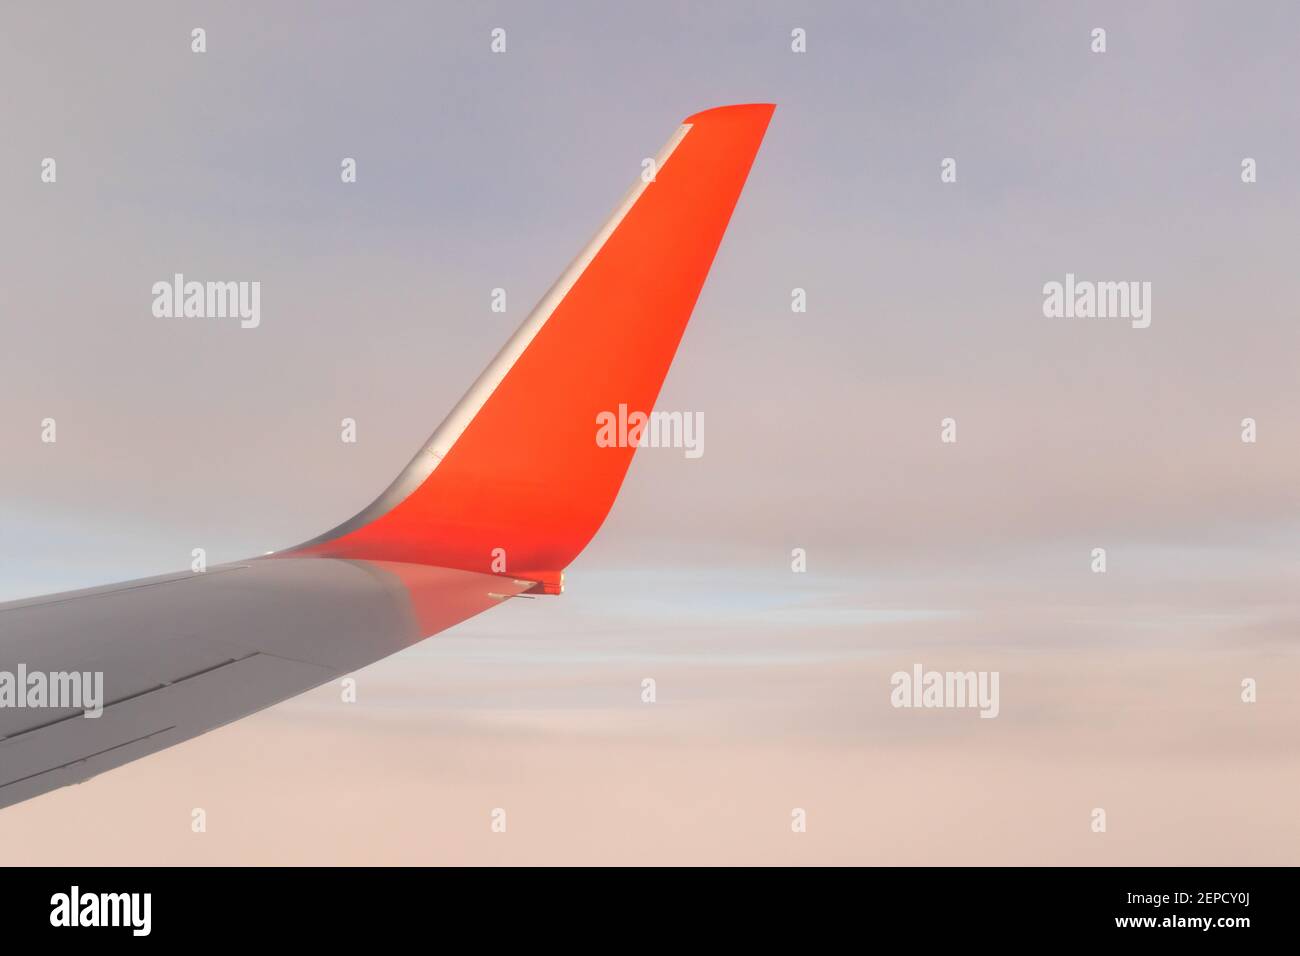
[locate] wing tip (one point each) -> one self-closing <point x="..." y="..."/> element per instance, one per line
<point x="755" y="111"/>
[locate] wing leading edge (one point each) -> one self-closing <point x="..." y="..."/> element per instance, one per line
<point x="514" y="475"/>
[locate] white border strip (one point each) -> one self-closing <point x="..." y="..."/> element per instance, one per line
<point x="458" y="420"/>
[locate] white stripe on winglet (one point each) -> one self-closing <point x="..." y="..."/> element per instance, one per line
<point x="456" y="422"/>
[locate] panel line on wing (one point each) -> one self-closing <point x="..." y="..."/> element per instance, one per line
<point x="24" y="604"/>
<point x="139" y="693"/>
<point x="73" y="763"/>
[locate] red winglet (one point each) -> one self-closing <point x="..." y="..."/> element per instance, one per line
<point x="516" y="467"/>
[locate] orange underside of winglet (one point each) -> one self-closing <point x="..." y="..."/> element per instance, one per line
<point x="525" y="486"/>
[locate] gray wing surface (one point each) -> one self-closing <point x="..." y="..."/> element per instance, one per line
<point x="183" y="654"/>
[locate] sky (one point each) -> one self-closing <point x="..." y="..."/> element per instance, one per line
<point x="478" y="171"/>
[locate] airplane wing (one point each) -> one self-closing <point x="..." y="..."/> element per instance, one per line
<point x="503" y="496"/>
